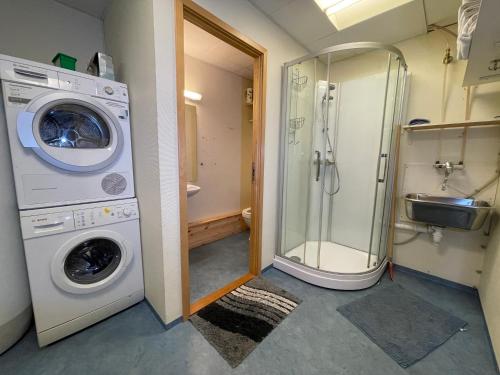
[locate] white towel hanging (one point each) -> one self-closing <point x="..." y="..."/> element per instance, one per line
<point x="467" y="20"/>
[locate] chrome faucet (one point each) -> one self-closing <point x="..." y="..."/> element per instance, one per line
<point x="449" y="168"/>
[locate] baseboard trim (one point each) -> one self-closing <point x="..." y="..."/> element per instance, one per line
<point x="166" y="326"/>
<point x="173" y="323"/>
<point x="12" y="331"/>
<point x="492" y="350"/>
<point x="266" y="268"/>
<point x="436" y="279"/>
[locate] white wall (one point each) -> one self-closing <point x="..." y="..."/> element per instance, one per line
<point x="149" y="70"/>
<point x="246" y="147"/>
<point x="298" y="167"/>
<point x="14" y="288"/>
<point x="348" y="126"/>
<point x="244" y="17"/>
<point x="358" y="148"/>
<point x="459" y="257"/>
<point x="38" y="29"/>
<point x="129" y="24"/>
<point x="489" y="286"/>
<point x="219" y="122"/>
<point x="164" y="28"/>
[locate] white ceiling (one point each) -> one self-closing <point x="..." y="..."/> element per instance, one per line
<point x="309" y="26"/>
<point x="94" y="8"/>
<point x="197" y="43"/>
<point x="206" y="47"/>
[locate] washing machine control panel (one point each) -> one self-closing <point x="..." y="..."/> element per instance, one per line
<point x="52" y="220"/>
<point x="92" y="217"/>
<point x="44" y="225"/>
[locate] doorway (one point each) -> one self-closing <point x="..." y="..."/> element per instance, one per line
<point x="198" y="227"/>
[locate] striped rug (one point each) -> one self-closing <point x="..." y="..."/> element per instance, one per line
<point x="236" y="323"/>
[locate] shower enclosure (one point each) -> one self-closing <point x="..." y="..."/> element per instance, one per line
<point x="340" y="110"/>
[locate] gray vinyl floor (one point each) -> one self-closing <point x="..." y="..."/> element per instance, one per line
<point x="313" y="339"/>
<point x="216" y="264"/>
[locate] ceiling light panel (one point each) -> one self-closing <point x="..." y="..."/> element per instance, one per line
<point x="346" y="13"/>
<point x="339" y="5"/>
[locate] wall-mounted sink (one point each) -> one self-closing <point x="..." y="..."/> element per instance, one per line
<point x="192" y="189"/>
<point x="461" y="213"/>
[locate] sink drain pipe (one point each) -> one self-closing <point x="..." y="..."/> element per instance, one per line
<point x="435" y="232"/>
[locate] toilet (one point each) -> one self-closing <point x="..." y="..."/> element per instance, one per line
<point x="247" y="215"/>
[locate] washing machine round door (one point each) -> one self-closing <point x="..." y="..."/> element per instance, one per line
<point x="70" y="131"/>
<point x="91" y="261"/>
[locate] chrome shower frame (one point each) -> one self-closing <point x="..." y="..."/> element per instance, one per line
<point x="328" y="279"/>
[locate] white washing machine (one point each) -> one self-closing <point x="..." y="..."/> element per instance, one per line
<point x="84" y="264"/>
<point x="69" y="135"/>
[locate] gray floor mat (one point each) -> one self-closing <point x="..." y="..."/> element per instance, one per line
<point x="405" y="326"/>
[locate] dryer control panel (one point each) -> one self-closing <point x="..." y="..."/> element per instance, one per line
<point x="93" y="217"/>
<point x="41" y="75"/>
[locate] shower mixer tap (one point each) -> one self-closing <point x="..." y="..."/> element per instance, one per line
<point x="318" y="162"/>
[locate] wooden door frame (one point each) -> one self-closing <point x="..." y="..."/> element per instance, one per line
<point x="190" y="11"/>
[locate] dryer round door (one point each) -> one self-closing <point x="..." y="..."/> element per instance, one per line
<point x="91" y="261"/>
<point x="70" y="131"/>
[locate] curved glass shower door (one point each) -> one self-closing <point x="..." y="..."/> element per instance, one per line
<point x="301" y="151"/>
<point x="340" y="114"/>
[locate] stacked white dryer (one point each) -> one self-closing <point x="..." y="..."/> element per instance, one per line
<point x="69" y="136"/>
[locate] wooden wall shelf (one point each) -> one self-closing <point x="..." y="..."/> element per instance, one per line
<point x="452" y="125"/>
